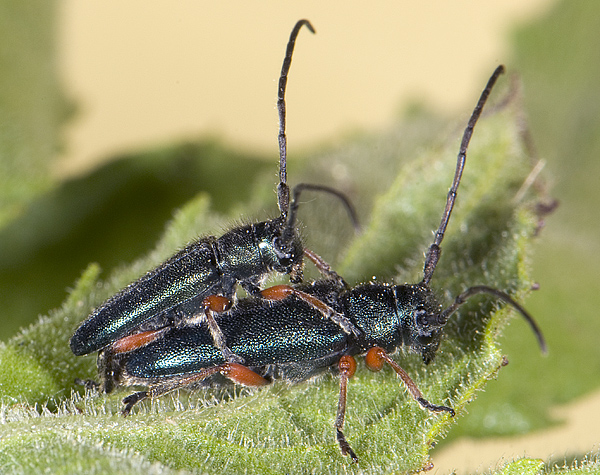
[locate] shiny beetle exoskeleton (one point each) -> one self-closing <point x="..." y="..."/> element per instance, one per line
<point x="282" y="334"/>
<point x="180" y="290"/>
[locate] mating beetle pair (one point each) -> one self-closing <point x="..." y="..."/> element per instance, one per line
<point x="181" y="289"/>
<point x="282" y="333"/>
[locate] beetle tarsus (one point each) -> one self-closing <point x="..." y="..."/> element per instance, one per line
<point x="434" y="408"/>
<point x="132" y="400"/>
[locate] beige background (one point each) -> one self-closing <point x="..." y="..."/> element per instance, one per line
<point x="149" y="71"/>
<point x="145" y="72"/>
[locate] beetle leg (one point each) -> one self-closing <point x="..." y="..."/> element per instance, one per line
<point x="135" y="341"/>
<point x="235" y="372"/>
<point x="324" y="267"/>
<point x="211" y="305"/>
<point x="109" y="365"/>
<point x="132" y="400"/>
<point x="218" y="304"/>
<point x="377" y="356"/>
<point x="279" y="292"/>
<point x="347" y="367"/>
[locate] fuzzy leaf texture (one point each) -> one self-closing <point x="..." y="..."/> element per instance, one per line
<point x="285" y="429"/>
<point x="399" y="191"/>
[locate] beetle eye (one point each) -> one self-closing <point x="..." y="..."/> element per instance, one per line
<point x="420" y="315"/>
<point x="285" y="258"/>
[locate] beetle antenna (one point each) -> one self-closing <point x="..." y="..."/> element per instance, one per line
<point x="433" y="253"/>
<point x="484" y="289"/>
<point x="288" y="232"/>
<point x="283" y="190"/>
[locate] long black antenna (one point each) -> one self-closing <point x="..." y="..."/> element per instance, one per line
<point x="434" y="251"/>
<point x="287" y="234"/>
<point x="484" y="289"/>
<point x="283" y="190"/>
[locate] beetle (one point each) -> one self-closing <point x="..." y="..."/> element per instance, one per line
<point x="202" y="277"/>
<point x="281" y="336"/>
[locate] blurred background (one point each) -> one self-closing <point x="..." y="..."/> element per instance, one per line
<point x="141" y="73"/>
<point x="103" y="107"/>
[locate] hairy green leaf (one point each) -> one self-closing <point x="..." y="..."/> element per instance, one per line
<point x="285" y="429"/>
